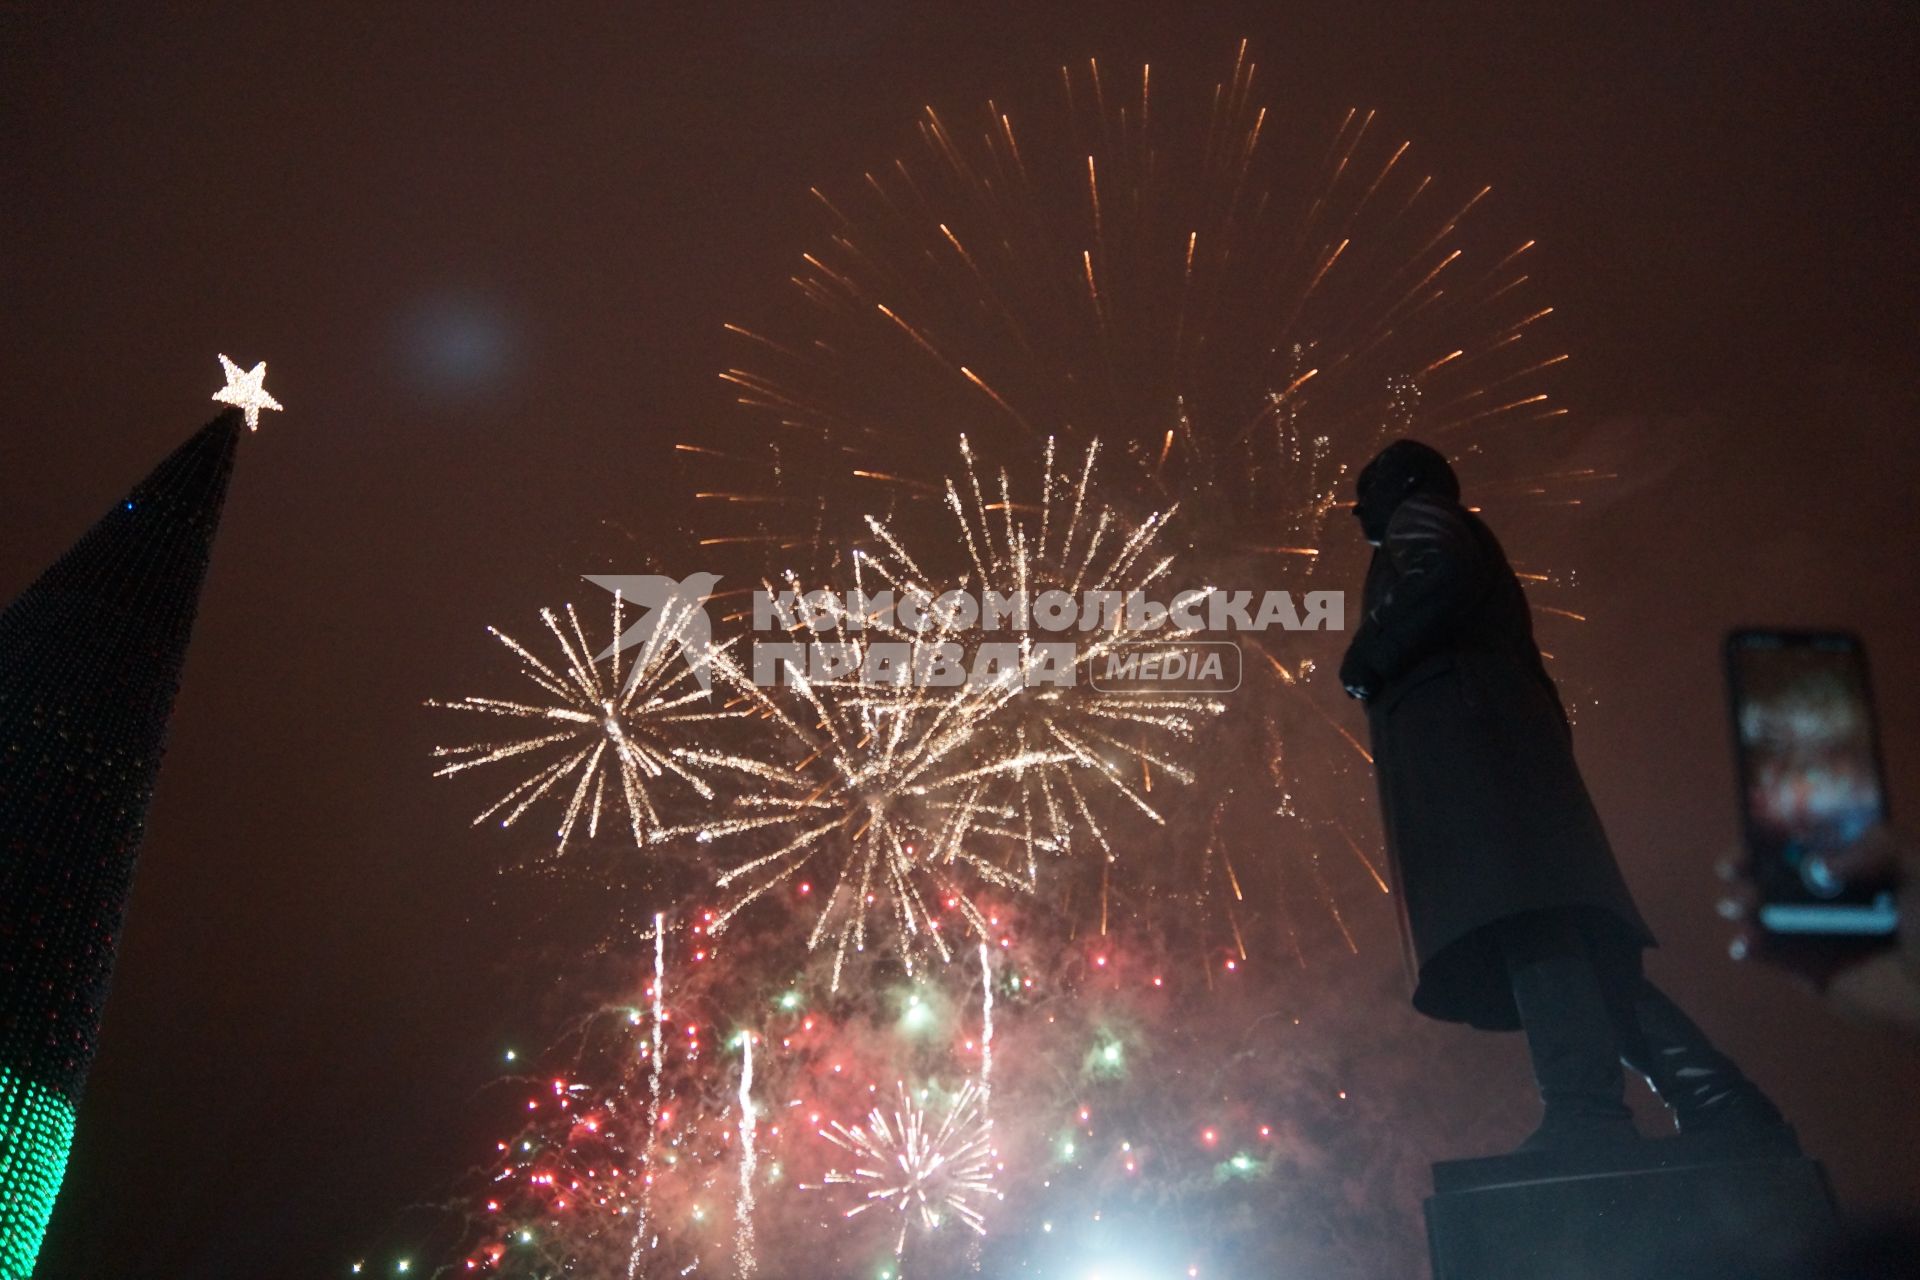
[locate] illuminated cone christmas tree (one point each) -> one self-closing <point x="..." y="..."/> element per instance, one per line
<point x="90" y="657"/>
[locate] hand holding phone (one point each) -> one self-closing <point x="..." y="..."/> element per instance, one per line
<point x="1811" y="786"/>
<point x="1868" y="981"/>
<point x="1819" y="880"/>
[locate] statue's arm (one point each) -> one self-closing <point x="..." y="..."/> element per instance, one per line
<point x="1440" y="574"/>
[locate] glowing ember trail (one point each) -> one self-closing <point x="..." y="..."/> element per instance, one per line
<point x="749" y="1162"/>
<point x="658" y="1056"/>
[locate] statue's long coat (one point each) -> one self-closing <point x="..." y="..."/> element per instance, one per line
<point x="1485" y="812"/>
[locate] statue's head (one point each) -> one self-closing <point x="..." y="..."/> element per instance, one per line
<point x="1397" y="472"/>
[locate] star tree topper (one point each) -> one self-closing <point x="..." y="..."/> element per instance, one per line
<point x="246" y="391"/>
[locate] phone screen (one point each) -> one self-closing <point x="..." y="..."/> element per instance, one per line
<point x="1810" y="773"/>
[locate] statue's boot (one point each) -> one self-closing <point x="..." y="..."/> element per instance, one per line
<point x="1706" y="1091"/>
<point x="1570" y="1036"/>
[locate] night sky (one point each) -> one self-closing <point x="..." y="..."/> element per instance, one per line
<point x="486" y="252"/>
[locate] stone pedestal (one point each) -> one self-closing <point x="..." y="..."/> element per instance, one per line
<point x="1671" y="1209"/>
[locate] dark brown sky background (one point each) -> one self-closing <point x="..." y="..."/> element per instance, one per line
<point x="486" y="250"/>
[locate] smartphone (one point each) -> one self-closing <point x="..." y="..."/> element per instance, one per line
<point x="1810" y="778"/>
